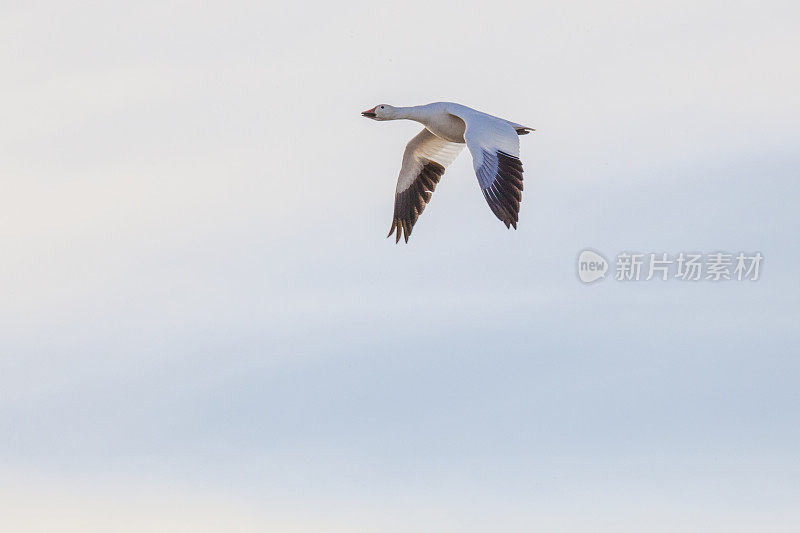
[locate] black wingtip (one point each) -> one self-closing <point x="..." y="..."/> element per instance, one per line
<point x="504" y="195"/>
<point x="406" y="230"/>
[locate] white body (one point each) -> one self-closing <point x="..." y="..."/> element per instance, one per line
<point x="446" y="119"/>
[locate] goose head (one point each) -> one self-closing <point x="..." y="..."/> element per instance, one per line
<point x="380" y="112"/>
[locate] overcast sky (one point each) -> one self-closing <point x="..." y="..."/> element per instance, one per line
<point x="202" y="326"/>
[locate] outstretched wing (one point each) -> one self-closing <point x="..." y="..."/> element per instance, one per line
<point x="494" y="145"/>
<point x="424" y="161"/>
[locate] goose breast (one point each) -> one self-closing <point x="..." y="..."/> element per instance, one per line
<point x="448" y="127"/>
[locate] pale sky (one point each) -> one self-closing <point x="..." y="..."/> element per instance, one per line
<point x="203" y="328"/>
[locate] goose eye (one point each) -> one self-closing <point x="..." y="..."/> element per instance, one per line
<point x="381" y="107"/>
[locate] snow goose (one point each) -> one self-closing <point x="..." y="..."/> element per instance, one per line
<point x="492" y="141"/>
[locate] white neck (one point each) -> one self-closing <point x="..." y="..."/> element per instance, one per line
<point x="417" y="113"/>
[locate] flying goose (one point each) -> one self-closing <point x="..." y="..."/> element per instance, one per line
<point x="492" y="141"/>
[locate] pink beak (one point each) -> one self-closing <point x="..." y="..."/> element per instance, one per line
<point x="370" y="113"/>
